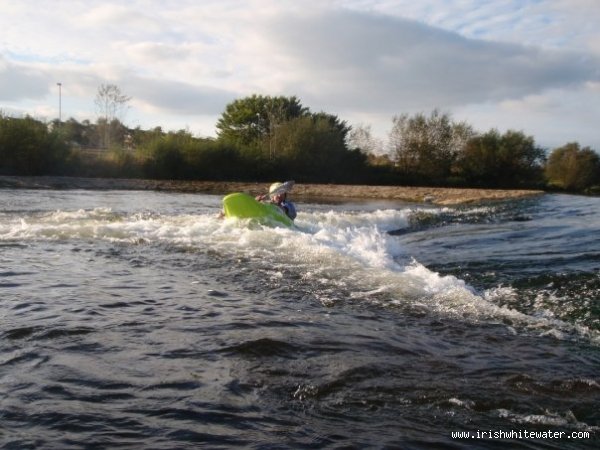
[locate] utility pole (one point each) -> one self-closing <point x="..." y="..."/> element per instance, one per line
<point x="59" y="102"/>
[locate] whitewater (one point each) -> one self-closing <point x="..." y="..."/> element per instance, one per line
<point x="141" y="319"/>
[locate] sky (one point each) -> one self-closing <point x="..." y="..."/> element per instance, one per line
<point x="526" y="65"/>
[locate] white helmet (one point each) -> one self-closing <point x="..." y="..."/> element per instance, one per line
<point x="280" y="188"/>
<point x="275" y="187"/>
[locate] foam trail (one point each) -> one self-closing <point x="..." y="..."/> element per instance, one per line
<point x="350" y="251"/>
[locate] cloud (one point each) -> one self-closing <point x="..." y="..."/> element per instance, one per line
<point x="364" y="60"/>
<point x="554" y="118"/>
<point x="177" y="97"/>
<point x="20" y="82"/>
<point x="120" y="19"/>
<point x="382" y="63"/>
<point x="158" y="52"/>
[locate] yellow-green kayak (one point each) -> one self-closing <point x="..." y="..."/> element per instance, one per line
<point x="244" y="206"/>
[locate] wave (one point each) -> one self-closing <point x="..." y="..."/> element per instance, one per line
<point x="341" y="255"/>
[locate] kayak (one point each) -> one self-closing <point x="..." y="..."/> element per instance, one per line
<point x="244" y="206"/>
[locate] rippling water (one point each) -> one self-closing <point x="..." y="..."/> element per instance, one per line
<point x="140" y="320"/>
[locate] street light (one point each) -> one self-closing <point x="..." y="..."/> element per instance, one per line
<point x="59" y="102"/>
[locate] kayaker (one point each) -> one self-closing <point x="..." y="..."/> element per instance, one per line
<point x="278" y="196"/>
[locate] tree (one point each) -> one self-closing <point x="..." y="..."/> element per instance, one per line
<point x="336" y="124"/>
<point x="426" y="147"/>
<point x="110" y="105"/>
<point x="405" y="138"/>
<point x="478" y="161"/>
<point x="76" y="133"/>
<point x="573" y="168"/>
<point x="255" y="120"/>
<point x="494" y="160"/>
<point x="313" y="148"/>
<point x="361" y="137"/>
<point x="28" y="148"/>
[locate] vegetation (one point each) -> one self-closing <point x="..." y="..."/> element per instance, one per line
<point x="248" y="121"/>
<point x="573" y="168"/>
<point x="264" y="138"/>
<point x="495" y="160"/>
<point x="110" y="104"/>
<point x="28" y="148"/>
<point x="428" y="148"/>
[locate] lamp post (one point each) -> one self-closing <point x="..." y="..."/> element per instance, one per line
<point x="59" y="102"/>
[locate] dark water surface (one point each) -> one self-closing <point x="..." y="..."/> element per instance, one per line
<point x="139" y="320"/>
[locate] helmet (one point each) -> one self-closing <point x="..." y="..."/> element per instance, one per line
<point x="274" y="187"/>
<point x="280" y="188"/>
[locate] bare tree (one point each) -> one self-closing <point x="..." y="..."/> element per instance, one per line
<point x="361" y="137"/>
<point x="111" y="103"/>
<point x="428" y="145"/>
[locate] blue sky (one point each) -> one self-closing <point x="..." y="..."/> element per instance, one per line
<point x="530" y="65"/>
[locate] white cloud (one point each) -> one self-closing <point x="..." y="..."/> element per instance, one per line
<point x="176" y="97"/>
<point x="365" y="61"/>
<point x="521" y="63"/>
<point x="157" y="53"/>
<point x="554" y="118"/>
<point x="19" y="81"/>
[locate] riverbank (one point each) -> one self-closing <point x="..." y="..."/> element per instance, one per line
<point x="434" y="195"/>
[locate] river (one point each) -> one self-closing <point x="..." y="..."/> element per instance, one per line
<point x="139" y="319"/>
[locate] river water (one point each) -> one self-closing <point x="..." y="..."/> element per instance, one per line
<point x="138" y="319"/>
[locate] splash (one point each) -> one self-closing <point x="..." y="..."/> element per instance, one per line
<point x="346" y="255"/>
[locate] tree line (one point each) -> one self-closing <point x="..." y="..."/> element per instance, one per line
<point x="262" y="138"/>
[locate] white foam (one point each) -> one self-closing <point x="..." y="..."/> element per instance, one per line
<point x="467" y="404"/>
<point x="349" y="251"/>
<point x="567" y="420"/>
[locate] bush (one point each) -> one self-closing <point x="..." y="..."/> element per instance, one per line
<point x="509" y="160"/>
<point x="28" y="148"/>
<point x="573" y="168"/>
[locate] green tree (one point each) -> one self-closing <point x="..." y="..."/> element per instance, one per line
<point x="28" y="148"/>
<point x="407" y="136"/>
<point x="426" y="147"/>
<point x="313" y="148"/>
<point x="494" y="160"/>
<point x="164" y="157"/>
<point x="573" y="168"/>
<point x="75" y="133"/>
<point x="209" y="159"/>
<point x="255" y="120"/>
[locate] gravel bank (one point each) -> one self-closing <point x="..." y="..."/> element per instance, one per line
<point x="434" y="195"/>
